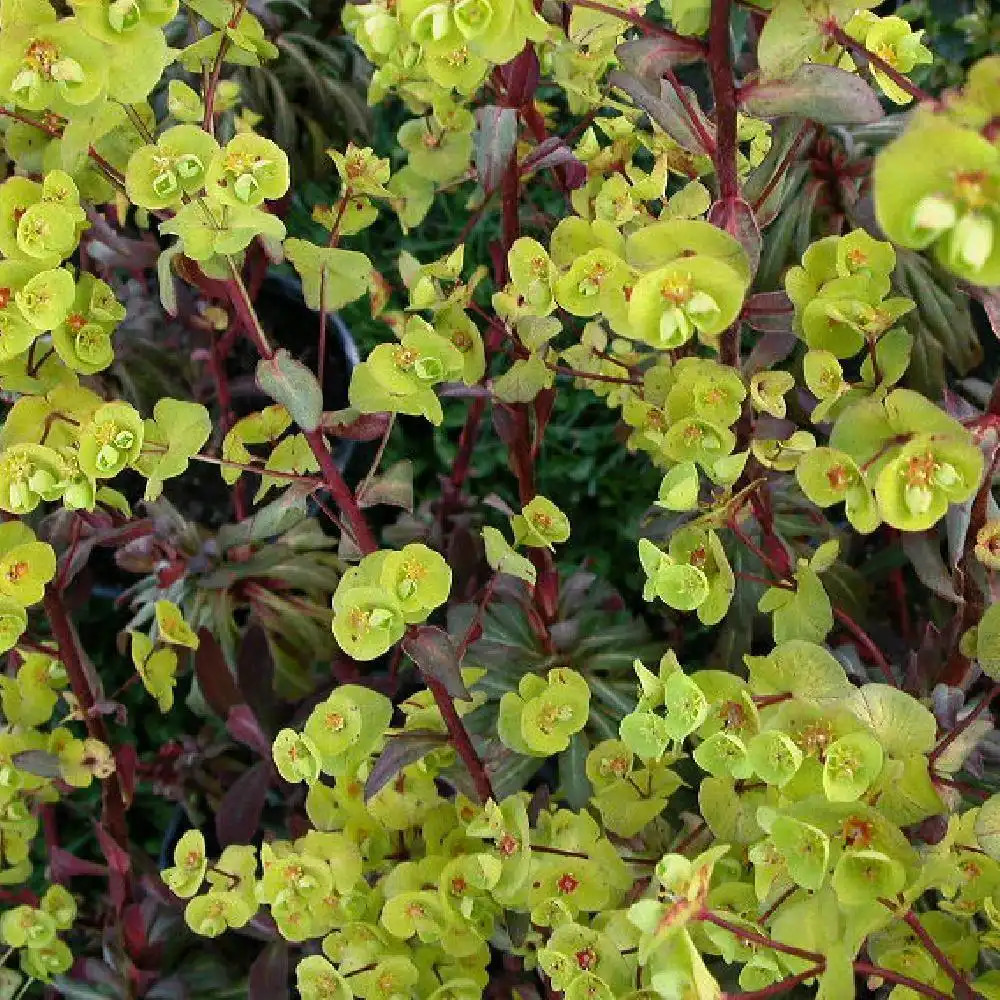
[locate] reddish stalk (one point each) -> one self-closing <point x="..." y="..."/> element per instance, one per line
<point x="212" y="84"/>
<point x="595" y="376"/>
<point x="342" y="495"/>
<point x="786" y="161"/>
<point x="963" y="725"/>
<point x="85" y="689"/>
<point x="696" y="123"/>
<point x="867" y="645"/>
<point x="762" y="940"/>
<point x="648" y="27"/>
<point x="962" y="989"/>
<point x="867" y="969"/>
<point x="720" y="68"/>
<point x="835" y="32"/>
<point x="776" y="989"/>
<point x="459" y="738"/>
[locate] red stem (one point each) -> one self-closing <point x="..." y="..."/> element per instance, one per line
<point x="962" y="989"/>
<point x="682" y="42"/>
<point x="459" y="738"/>
<point x="866" y="643"/>
<point x="963" y="725"/>
<point x="720" y="68"/>
<point x="775" y="989"/>
<point x="867" y="969"/>
<point x="467" y="443"/>
<point x="841" y="37"/>
<point x="762" y="940"/>
<point x="696" y="123"/>
<point x="84" y="685"/>
<point x="342" y="495"/>
<point x="787" y="160"/>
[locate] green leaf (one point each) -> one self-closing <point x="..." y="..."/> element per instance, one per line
<point x="802" y="669"/>
<point x="331" y="277"/>
<point x="503" y="559"/>
<point x="865" y="876"/>
<point x="988" y="827"/>
<point x="988" y="642"/>
<point x="289" y="382"/>
<point x="791" y="34"/>
<point x="805" y="848"/>
<point x="645" y="734"/>
<point x="900" y="723"/>
<point x="774" y="757"/>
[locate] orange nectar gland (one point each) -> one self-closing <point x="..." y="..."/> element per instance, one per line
<point x="405" y="357"/>
<point x="334" y="721"/>
<point x="458" y="885"/>
<point x="858" y="832"/>
<point x="677" y="288"/>
<point x="857" y="258"/>
<point x="568" y="883"/>
<point x="699" y="557"/>
<point x="591" y="283"/>
<point x="4" y="298"/>
<point x="553" y="714"/>
<point x="838" y="477"/>
<point x="541" y="520"/>
<point x="17" y="571"/>
<point x="618" y="766"/>
<point x="508" y="845"/>
<point x="970" y="188"/>
<point x="41" y="56"/>
<point x="815" y="739"/>
<point x="586" y="959"/>
<point x="76" y="322"/>
<point x="733" y="715"/>
<point x="354" y="165"/>
<point x="886" y="53"/>
<point x="457" y="57"/>
<point x="461" y="340"/>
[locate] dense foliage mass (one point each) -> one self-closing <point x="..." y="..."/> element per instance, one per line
<point x="421" y="756"/>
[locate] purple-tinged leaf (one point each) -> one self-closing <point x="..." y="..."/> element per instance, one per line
<point x="269" y="973"/>
<point x="399" y="752"/>
<point x="737" y="218"/>
<point x="355" y="426"/>
<point x="551" y="153"/>
<point x="769" y="312"/>
<point x="924" y="552"/>
<point x="64" y="866"/>
<point x="434" y="653"/>
<point x="214" y="676"/>
<point x="663" y="107"/>
<point x="520" y="77"/>
<point x="650" y="58"/>
<point x="119" y="865"/>
<point x="255" y="674"/>
<point x="288" y="381"/>
<point x="495" y="137"/>
<point x="393" y="488"/>
<point x="824" y="94"/>
<point x="238" y="817"/>
<point x="243" y="726"/>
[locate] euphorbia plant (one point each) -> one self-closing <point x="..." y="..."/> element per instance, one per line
<point x="489" y="778"/>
